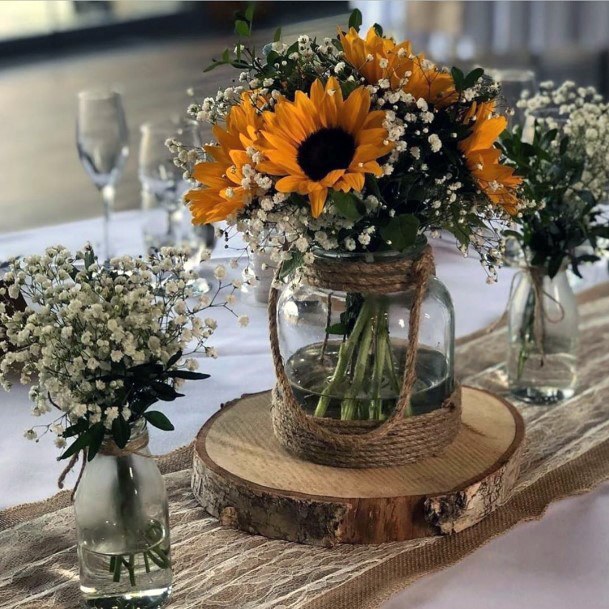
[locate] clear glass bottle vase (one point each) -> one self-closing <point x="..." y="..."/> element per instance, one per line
<point x="345" y="351"/>
<point x="122" y="523"/>
<point x="543" y="337"/>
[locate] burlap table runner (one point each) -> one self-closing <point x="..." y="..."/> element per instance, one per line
<point x="567" y="453"/>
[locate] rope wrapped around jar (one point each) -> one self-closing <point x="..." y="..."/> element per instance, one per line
<point x="361" y="444"/>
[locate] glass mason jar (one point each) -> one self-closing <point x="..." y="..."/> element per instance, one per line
<point x="543" y="337"/>
<point x="344" y="352"/>
<point x="122" y="523"/>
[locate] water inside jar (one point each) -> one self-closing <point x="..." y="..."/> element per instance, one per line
<point x="309" y="373"/>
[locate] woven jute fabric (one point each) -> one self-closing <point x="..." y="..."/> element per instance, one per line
<point x="397" y="440"/>
<point x="567" y="453"/>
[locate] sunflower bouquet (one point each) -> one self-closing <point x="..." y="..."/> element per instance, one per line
<point x="351" y="144"/>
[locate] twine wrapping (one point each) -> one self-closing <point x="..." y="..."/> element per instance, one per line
<point x="398" y="439"/>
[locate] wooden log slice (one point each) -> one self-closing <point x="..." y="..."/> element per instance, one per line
<point x="245" y="478"/>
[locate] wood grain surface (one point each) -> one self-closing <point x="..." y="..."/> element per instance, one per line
<point x="243" y="476"/>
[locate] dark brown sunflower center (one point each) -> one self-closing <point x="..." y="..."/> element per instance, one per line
<point x="325" y="150"/>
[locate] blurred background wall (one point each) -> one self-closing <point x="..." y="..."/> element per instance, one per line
<point x="154" y="50"/>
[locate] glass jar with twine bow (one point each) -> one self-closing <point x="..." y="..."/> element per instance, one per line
<point x="363" y="352"/>
<point x="543" y="336"/>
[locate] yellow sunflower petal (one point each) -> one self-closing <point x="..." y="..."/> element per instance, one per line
<point x="318" y="200"/>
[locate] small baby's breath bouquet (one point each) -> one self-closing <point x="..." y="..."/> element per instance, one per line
<point x="561" y="154"/>
<point x="103" y="343"/>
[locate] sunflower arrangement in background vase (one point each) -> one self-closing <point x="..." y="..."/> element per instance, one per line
<point x="352" y="150"/>
<point x="561" y="155"/>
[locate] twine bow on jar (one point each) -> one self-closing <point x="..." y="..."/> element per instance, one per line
<point x="398" y="439"/>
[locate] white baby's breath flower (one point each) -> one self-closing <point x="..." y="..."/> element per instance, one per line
<point x="220" y="272"/>
<point x="243" y="320"/>
<point x="111" y="415"/>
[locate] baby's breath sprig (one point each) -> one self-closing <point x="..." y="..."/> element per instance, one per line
<point x="562" y="155"/>
<point x="103" y="343"/>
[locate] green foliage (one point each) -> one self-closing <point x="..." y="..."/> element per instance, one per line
<point x="401" y="231"/>
<point x="348" y="205"/>
<point x="143" y="385"/>
<point x="158" y="419"/>
<point x="291" y="264"/>
<point x="242" y="28"/>
<point x="568" y="215"/>
<point x="462" y="81"/>
<point x="355" y="19"/>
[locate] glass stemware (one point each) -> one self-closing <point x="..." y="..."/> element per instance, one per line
<point x="162" y="181"/>
<point x="514" y="82"/>
<point x="103" y="146"/>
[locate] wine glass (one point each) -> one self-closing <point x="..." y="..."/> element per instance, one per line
<point x="103" y="146"/>
<point x="513" y="83"/>
<point x="162" y="181"/>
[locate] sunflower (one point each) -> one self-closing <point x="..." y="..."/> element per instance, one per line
<point x="497" y="181"/>
<point x="377" y="57"/>
<point x="321" y="141"/>
<point x="223" y="193"/>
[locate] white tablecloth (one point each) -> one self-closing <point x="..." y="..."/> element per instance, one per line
<point x="553" y="563"/>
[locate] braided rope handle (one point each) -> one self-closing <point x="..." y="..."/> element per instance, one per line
<point x="422" y="270"/>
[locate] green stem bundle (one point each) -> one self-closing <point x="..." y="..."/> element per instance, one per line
<point x="133" y="526"/>
<point x="365" y="366"/>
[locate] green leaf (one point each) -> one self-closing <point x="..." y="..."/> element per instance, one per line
<point x="98" y="431"/>
<point x="272" y="57"/>
<point x="554" y="265"/>
<point x="89" y="259"/>
<point x="241" y="65"/>
<point x="472" y="78"/>
<point x="601" y="231"/>
<point x="277" y="35"/>
<point x="78" y="427"/>
<point x="215" y="64"/>
<point x="401" y="231"/>
<point x="84" y="440"/>
<point x="291" y="264"/>
<point x="378" y="29"/>
<point x="242" y="28"/>
<point x="458" y="78"/>
<point x="121" y="431"/>
<point x="165" y="392"/>
<point x="373" y="185"/>
<point x="355" y="19"/>
<point x="348" y="206"/>
<point x="249" y="11"/>
<point x="174" y="359"/>
<point x="337" y="328"/>
<point x="158" y="419"/>
<point x="225" y="56"/>
<point x="188" y="375"/>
